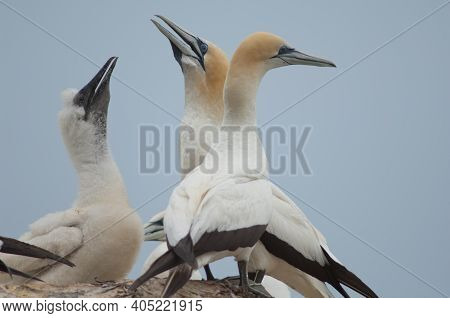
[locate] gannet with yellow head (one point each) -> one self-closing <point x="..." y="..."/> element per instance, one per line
<point x="270" y="51"/>
<point x="204" y="67"/>
<point x="290" y="242"/>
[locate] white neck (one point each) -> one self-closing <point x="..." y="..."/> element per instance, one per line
<point x="99" y="177"/>
<point x="200" y="105"/>
<point x="100" y="181"/>
<point x="203" y="108"/>
<point x="240" y="151"/>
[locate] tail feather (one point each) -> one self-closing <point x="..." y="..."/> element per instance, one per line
<point x="164" y="263"/>
<point x="12" y="246"/>
<point x="177" y="279"/>
<point x="343" y="276"/>
<point x="12" y="271"/>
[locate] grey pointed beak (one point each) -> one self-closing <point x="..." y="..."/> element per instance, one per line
<point x="189" y="45"/>
<point x="294" y="57"/>
<point x="94" y="97"/>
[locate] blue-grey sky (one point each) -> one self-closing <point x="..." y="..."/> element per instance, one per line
<point x="379" y="148"/>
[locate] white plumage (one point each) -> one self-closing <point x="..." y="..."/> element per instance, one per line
<point x="205" y="203"/>
<point x="276" y="288"/>
<point x="294" y="243"/>
<point x="214" y="215"/>
<point x="100" y="234"/>
<point x="290" y="241"/>
<point x="200" y="112"/>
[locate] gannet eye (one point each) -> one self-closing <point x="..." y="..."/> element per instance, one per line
<point x="203" y="48"/>
<point x="284" y="50"/>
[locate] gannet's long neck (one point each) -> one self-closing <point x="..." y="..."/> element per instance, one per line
<point x="100" y="181"/>
<point x="203" y="103"/>
<point x="241" y="87"/>
<point x="243" y="147"/>
<point x="99" y="177"/>
<point x="203" y="112"/>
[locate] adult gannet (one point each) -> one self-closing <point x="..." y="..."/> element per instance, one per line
<point x="204" y="68"/>
<point x="203" y="104"/>
<point x="101" y="233"/>
<point x="214" y="215"/>
<point x="290" y="238"/>
<point x="15" y="247"/>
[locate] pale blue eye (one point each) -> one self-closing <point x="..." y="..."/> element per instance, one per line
<point x="204" y="48"/>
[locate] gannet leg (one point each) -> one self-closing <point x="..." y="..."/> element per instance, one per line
<point x="248" y="285"/>
<point x="243" y="275"/>
<point x="209" y="274"/>
<point x="259" y="276"/>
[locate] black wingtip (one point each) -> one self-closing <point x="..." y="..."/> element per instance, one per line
<point x="65" y="261"/>
<point x="177" y="279"/>
<point x="164" y="263"/>
<point x="346" y="277"/>
<point x="14" y="272"/>
<point x="185" y="250"/>
<point x="16" y="247"/>
<point x="5" y="269"/>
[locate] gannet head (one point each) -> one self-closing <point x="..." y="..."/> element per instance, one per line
<point x="264" y="51"/>
<point x="83" y="117"/>
<point x="154" y="229"/>
<point x="203" y="63"/>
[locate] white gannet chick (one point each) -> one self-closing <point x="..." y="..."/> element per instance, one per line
<point x="293" y="241"/>
<point x="101" y="234"/>
<point x="15" y="247"/>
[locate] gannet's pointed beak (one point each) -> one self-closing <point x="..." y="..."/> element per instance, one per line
<point x="94" y="97"/>
<point x="154" y="231"/>
<point x="294" y="57"/>
<point x="12" y="246"/>
<point x="190" y="47"/>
